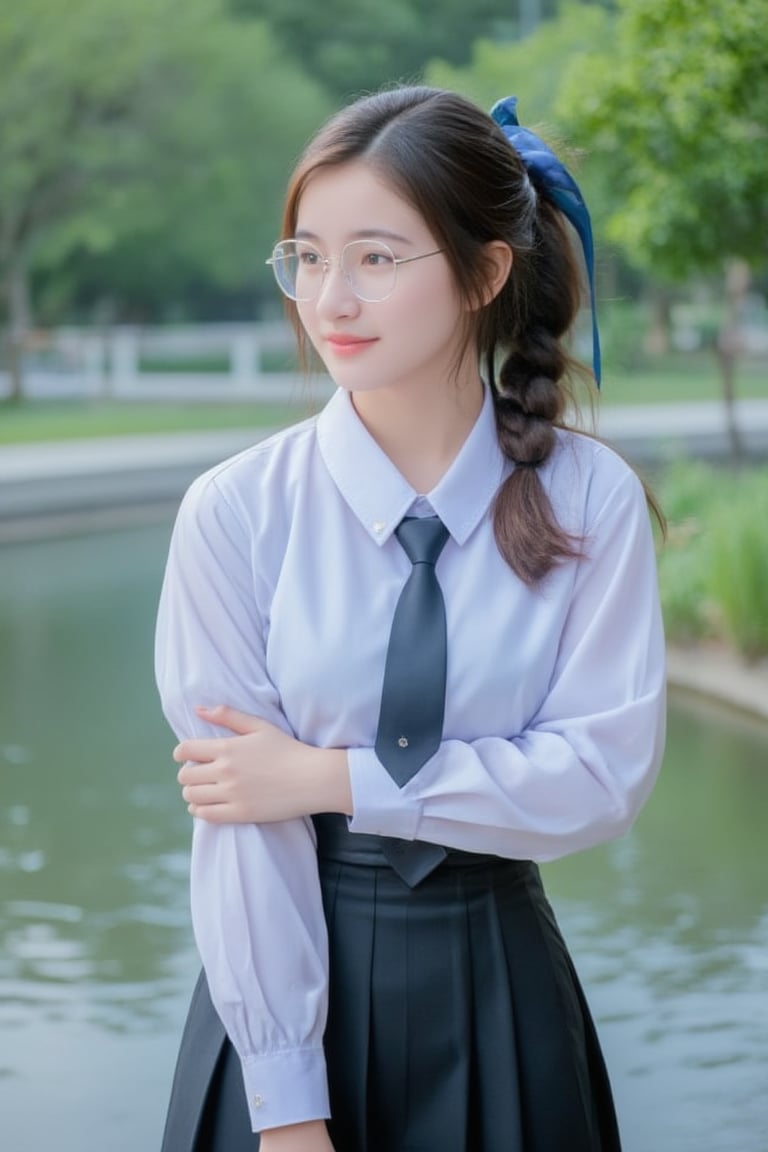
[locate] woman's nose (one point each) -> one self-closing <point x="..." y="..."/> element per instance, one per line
<point x="336" y="296"/>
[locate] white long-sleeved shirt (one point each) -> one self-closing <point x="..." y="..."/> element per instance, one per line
<point x="280" y="589"/>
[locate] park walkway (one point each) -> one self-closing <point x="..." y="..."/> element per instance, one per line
<point x="79" y="484"/>
<point x="71" y="476"/>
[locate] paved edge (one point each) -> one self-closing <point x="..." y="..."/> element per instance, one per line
<point x="717" y="673"/>
<point x="54" y="489"/>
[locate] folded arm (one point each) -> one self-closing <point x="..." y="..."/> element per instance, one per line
<point x="256" y="904"/>
<point x="577" y="773"/>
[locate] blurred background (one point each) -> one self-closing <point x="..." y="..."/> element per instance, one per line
<point x="144" y="148"/>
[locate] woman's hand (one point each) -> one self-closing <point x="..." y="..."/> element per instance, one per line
<point x="259" y="774"/>
<point x="310" y="1137"/>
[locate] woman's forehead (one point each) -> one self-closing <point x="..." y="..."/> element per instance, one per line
<point x="357" y="200"/>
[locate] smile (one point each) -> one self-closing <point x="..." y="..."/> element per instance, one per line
<point x="349" y="345"/>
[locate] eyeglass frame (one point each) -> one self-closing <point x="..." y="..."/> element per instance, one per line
<point x="328" y="261"/>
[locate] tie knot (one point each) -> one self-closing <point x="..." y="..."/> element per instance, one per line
<point x="422" y="539"/>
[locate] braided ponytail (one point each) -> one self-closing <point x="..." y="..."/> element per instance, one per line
<point x="530" y="394"/>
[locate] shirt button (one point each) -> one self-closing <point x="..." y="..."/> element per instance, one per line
<point x="257" y="1101"/>
<point x="379" y="526"/>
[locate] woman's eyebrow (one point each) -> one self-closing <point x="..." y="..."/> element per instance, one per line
<point x="361" y="234"/>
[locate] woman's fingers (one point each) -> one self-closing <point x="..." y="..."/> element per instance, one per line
<point x="248" y="777"/>
<point x="208" y="748"/>
<point x="204" y="772"/>
<point x="203" y="795"/>
<point x="225" y="717"/>
<point x="199" y="750"/>
<point x="215" y="803"/>
<point x="213" y="790"/>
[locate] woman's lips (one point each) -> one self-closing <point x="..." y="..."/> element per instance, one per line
<point x="349" y="345"/>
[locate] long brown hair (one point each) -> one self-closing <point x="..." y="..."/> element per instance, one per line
<point x="453" y="164"/>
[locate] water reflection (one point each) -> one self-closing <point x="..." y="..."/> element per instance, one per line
<point x="95" y="947"/>
<point x="669" y="926"/>
<point x="91" y="824"/>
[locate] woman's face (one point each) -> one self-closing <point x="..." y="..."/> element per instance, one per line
<point x="413" y="336"/>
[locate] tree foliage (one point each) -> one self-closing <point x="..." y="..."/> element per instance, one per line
<point x="155" y="126"/>
<point x="144" y="144"/>
<point x="530" y="68"/>
<point x="676" y="112"/>
<point x="355" y="46"/>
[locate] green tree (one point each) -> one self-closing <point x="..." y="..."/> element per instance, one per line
<point x="156" y="123"/>
<point x="676" y="113"/>
<point x="244" y="118"/>
<point x="530" y="68"/>
<point x="355" y="46"/>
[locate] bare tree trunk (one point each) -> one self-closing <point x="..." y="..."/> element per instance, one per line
<point x="729" y="347"/>
<point x="659" y="340"/>
<point x="16" y="292"/>
<point x="18" y="325"/>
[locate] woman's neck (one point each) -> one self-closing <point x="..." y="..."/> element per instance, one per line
<point x="421" y="429"/>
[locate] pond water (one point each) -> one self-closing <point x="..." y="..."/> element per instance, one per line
<point x="668" y="927"/>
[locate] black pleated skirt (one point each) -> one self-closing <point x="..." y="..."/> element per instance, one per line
<point x="456" y="1020"/>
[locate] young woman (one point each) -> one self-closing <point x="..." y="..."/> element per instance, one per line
<point x="363" y="989"/>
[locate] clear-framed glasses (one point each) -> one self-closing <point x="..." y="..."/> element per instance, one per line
<point x="368" y="266"/>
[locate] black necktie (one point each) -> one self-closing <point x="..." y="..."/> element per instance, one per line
<point x="413" y="696"/>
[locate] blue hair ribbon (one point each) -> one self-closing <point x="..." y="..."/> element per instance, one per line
<point x="561" y="188"/>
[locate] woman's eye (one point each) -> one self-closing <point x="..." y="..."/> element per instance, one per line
<point x="310" y="259"/>
<point x="376" y="259"/>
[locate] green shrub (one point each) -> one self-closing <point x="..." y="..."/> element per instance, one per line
<point x="738" y="567"/>
<point x="687" y="491"/>
<point x="682" y="582"/>
<point x="713" y="568"/>
<point x="688" y="488"/>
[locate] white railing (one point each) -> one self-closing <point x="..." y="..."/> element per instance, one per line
<point x="169" y="363"/>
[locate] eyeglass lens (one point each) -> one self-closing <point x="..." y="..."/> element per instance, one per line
<point x="368" y="266"/>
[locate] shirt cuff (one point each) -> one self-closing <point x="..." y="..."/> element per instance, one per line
<point x="380" y="807"/>
<point x="287" y="1087"/>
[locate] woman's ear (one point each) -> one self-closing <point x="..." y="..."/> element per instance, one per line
<point x="498" y="263"/>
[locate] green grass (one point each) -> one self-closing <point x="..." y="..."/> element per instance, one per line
<point x="41" y="420"/>
<point x="271" y="360"/>
<point x="677" y="379"/>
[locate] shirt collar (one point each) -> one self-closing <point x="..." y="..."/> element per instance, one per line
<point x="380" y="496"/>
